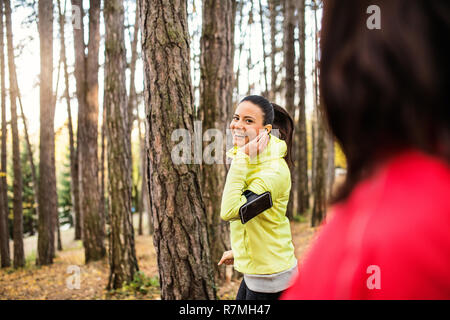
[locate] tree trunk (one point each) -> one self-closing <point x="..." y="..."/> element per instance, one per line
<point x="47" y="181"/>
<point x="289" y="63"/>
<point x="263" y="41"/>
<point x="80" y="77"/>
<point x="122" y="255"/>
<point x="93" y="221"/>
<point x="301" y="137"/>
<point x="4" y="230"/>
<point x="19" y="256"/>
<point x="216" y="92"/>
<point x="319" y="206"/>
<point x="58" y="233"/>
<point x="132" y="105"/>
<point x="250" y="85"/>
<point x="179" y="215"/>
<point x="320" y="187"/>
<point x="104" y="212"/>
<point x="273" y="31"/>
<point x="74" y="183"/>
<point x="144" y="204"/>
<point x="240" y="5"/>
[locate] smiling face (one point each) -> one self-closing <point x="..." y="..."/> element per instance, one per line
<point x="247" y="123"/>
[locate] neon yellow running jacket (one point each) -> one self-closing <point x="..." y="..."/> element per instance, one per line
<point x="264" y="244"/>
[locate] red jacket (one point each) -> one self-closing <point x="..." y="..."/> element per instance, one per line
<point x="389" y="240"/>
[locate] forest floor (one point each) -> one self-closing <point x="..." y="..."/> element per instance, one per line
<point x="54" y="282"/>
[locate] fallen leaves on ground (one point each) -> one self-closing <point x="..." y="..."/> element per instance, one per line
<point x="54" y="282"/>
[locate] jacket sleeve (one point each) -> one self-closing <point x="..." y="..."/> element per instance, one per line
<point x="232" y="197"/>
<point x="266" y="182"/>
<point x="236" y="184"/>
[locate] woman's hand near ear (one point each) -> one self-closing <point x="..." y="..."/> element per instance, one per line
<point x="257" y="145"/>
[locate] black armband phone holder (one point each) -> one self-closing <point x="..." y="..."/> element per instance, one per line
<point x="256" y="203"/>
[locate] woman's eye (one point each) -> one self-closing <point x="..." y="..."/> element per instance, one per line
<point x="249" y="121"/>
<point x="236" y="118"/>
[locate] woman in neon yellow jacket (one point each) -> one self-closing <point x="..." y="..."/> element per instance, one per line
<point x="262" y="248"/>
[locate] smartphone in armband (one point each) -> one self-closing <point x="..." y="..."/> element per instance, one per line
<point x="256" y="204"/>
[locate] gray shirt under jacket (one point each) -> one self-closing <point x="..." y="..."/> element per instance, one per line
<point x="270" y="283"/>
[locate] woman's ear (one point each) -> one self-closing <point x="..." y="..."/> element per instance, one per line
<point x="268" y="128"/>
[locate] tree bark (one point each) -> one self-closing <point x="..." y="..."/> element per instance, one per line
<point x="263" y="41"/>
<point x="179" y="215"/>
<point x="144" y="203"/>
<point x="47" y="177"/>
<point x="19" y="256"/>
<point x="319" y="206"/>
<point x="80" y="77"/>
<point x="4" y="230"/>
<point x="216" y="92"/>
<point x="289" y="63"/>
<point x="74" y="183"/>
<point x="93" y="220"/>
<point x="273" y="32"/>
<point x="122" y="255"/>
<point x="104" y="212"/>
<point x="242" y="35"/>
<point x="301" y="137"/>
<point x="132" y="105"/>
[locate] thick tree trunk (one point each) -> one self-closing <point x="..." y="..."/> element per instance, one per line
<point x="179" y="215"/>
<point x="93" y="221"/>
<point x="301" y="138"/>
<point x="122" y="255"/>
<point x="74" y="183"/>
<point x="47" y="181"/>
<point x="216" y="91"/>
<point x="289" y="64"/>
<point x="4" y="230"/>
<point x="19" y="256"/>
<point x="80" y="76"/>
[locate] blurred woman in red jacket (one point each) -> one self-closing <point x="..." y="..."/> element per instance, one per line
<point x="386" y="97"/>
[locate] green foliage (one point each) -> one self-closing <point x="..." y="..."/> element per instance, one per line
<point x="141" y="284"/>
<point x="301" y="218"/>
<point x="65" y="193"/>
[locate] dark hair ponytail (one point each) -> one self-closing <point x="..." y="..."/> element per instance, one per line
<point x="279" y="118"/>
